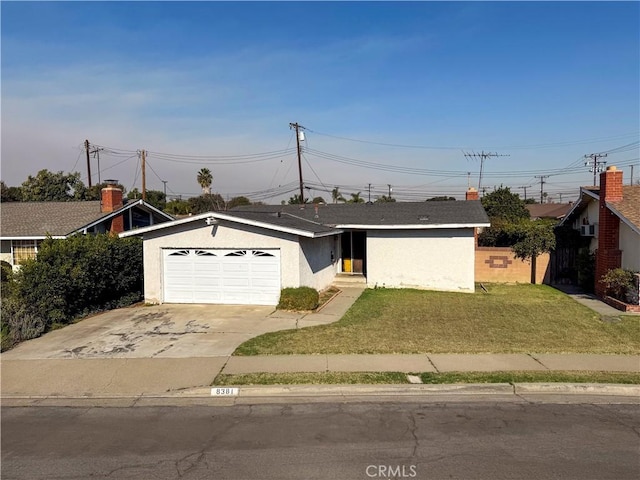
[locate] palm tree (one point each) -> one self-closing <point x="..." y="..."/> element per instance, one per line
<point x="204" y="179"/>
<point x="356" y="198"/>
<point x="337" y="196"/>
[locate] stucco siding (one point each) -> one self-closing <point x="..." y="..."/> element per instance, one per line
<point x="630" y="246"/>
<point x="589" y="215"/>
<point x="318" y="261"/>
<point x="432" y="259"/>
<point x="200" y="235"/>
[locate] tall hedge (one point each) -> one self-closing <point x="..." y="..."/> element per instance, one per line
<point x="80" y="274"/>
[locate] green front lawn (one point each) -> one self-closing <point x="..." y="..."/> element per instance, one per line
<point x="508" y="319"/>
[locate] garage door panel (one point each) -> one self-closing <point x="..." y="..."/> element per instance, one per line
<point x="222" y="276"/>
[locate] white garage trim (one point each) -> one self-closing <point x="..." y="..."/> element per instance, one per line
<point x="224" y="276"/>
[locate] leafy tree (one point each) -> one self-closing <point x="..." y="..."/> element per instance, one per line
<point x="501" y="203"/>
<point x="385" y="199"/>
<point x="356" y="198"/>
<point x="533" y="238"/>
<point x="154" y="197"/>
<point x="10" y="194"/>
<point x="205" y="178"/>
<point x="178" y="207"/>
<point x="238" y="202"/>
<point x="296" y="200"/>
<point x="95" y="191"/>
<point x="441" y="199"/>
<point x="530" y="201"/>
<point x="318" y="200"/>
<point x="49" y="186"/>
<point x="336" y="196"/>
<point x="207" y="202"/>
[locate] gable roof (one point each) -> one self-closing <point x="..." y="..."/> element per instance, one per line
<point x="627" y="209"/>
<point x="58" y="219"/>
<point x="311" y="221"/>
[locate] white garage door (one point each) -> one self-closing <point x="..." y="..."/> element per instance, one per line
<point x="242" y="277"/>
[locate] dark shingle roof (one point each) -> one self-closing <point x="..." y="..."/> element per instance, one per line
<point x="36" y="219"/>
<point x="549" y="210"/>
<point x="629" y="206"/>
<point x="373" y="215"/>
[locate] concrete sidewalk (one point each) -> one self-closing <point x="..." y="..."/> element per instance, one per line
<point x="157" y="376"/>
<point x="87" y="377"/>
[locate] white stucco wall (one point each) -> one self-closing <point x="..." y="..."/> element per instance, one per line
<point x="200" y="235"/>
<point x="439" y="259"/>
<point x="630" y="246"/>
<point x="591" y="216"/>
<point x="317" y="270"/>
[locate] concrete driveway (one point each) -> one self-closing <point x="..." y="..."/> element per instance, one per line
<point x="159" y="331"/>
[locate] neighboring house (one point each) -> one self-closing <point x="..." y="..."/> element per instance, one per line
<point x="24" y="225"/>
<point x="246" y="255"/>
<point x="610" y="216"/>
<point x="556" y="211"/>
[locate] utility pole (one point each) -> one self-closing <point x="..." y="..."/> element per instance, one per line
<point x="595" y="165"/>
<point x="165" y="188"/>
<point x="86" y="147"/>
<point x="542" y="182"/>
<point x="297" y="128"/>
<point x="144" y="174"/>
<point x="390" y="190"/>
<point x="482" y="156"/>
<point x="631" y="179"/>
<point x="525" y="191"/>
<point x="369" y="193"/>
<point x="96" y="154"/>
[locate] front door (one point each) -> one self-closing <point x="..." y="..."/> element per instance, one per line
<point x="354" y="252"/>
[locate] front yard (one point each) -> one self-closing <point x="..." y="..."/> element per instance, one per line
<point x="507" y="319"/>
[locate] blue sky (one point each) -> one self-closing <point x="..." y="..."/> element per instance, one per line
<point x="215" y="84"/>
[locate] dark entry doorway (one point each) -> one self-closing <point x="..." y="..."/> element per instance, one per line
<point x="354" y="246"/>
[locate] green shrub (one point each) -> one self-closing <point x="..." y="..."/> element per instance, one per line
<point x="19" y="323"/>
<point x="78" y="275"/>
<point x="301" y="298"/>
<point x="619" y="282"/>
<point x="5" y="270"/>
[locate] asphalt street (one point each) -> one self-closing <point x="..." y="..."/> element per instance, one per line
<point x="483" y="438"/>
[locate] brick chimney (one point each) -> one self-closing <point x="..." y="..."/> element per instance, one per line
<point x="112" y="200"/>
<point x="472" y="194"/>
<point x="608" y="255"/>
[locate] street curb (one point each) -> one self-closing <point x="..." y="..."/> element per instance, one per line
<point x="579" y="388"/>
<point x="399" y="390"/>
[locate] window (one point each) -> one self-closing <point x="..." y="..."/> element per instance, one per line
<point x="24" y="250"/>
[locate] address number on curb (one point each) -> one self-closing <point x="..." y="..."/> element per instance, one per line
<point x="224" y="392"/>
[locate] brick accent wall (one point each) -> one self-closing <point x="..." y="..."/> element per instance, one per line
<point x="608" y="255"/>
<point x="500" y="265"/>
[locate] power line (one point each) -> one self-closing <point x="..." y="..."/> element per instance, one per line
<point x="482" y="156"/>
<point x="515" y="147"/>
<point x="595" y="165"/>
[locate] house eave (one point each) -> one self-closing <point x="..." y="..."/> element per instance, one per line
<point x="33" y="237"/>
<point x="229" y="218"/>
<point x="270" y="226"/>
<point x="158" y="226"/>
<point x="412" y="226"/>
<point x="580" y="204"/>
